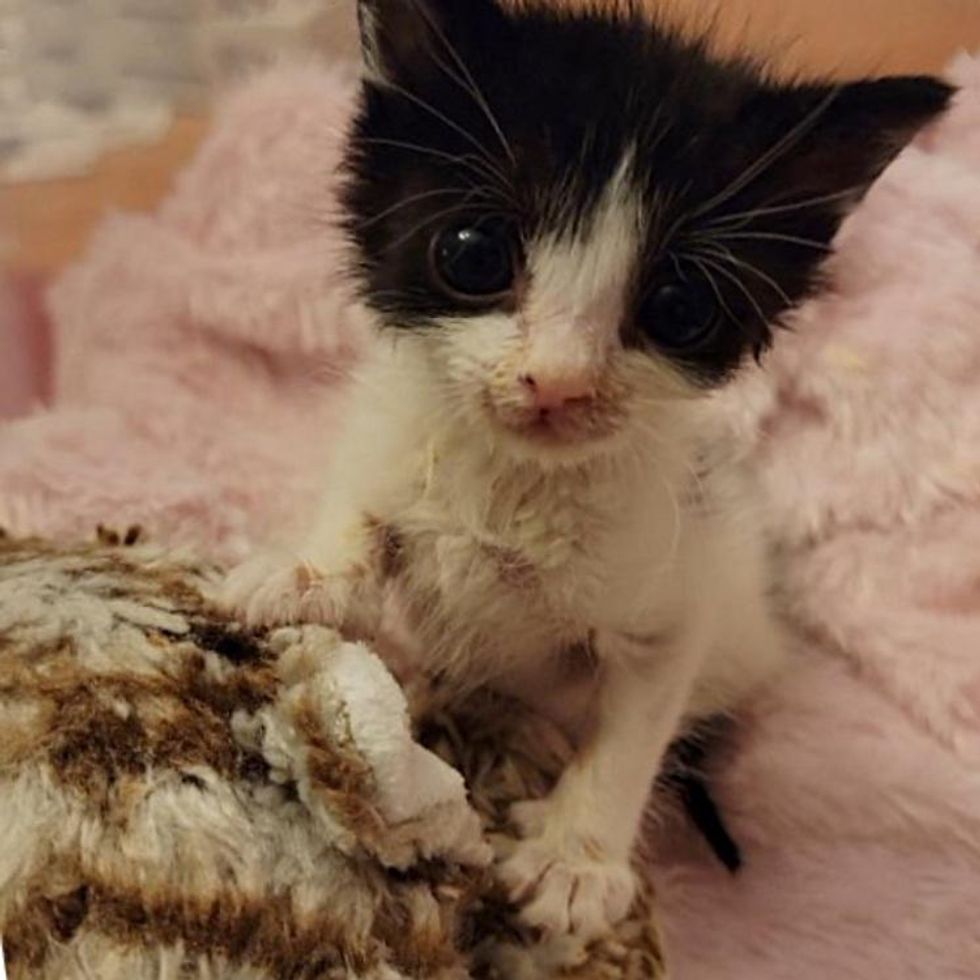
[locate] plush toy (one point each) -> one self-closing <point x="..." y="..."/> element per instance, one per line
<point x="184" y="798"/>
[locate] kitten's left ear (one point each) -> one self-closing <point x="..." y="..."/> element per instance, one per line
<point x="840" y="139"/>
<point x="400" y="38"/>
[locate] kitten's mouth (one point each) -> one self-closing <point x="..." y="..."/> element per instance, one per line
<point x="550" y="427"/>
<point x="577" y="426"/>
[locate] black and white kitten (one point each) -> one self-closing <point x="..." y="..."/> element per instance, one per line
<point x="571" y="228"/>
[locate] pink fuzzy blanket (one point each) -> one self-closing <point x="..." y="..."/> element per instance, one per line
<point x="197" y="355"/>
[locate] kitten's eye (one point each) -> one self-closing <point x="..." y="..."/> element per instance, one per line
<point x="474" y="260"/>
<point x="680" y="315"/>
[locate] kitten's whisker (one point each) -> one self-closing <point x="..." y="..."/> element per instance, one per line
<point x="483" y="153"/>
<point x="675" y="260"/>
<point x="468" y="82"/>
<point x="465" y="161"/>
<point x="464" y="205"/>
<point x="407" y="202"/>
<point x="453" y="158"/>
<point x="772" y="236"/>
<point x="662" y="131"/>
<point x="771" y="156"/>
<point x="683" y="218"/>
<point x="719" y="295"/>
<point x="719" y="251"/>
<point x="742" y="218"/>
<point x="735" y="281"/>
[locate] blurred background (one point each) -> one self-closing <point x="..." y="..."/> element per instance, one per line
<point x="102" y="101"/>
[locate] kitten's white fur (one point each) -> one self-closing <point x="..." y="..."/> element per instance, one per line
<point x="516" y="546"/>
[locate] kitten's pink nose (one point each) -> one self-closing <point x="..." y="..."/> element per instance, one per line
<point x="554" y="391"/>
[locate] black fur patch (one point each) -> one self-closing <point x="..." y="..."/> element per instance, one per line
<point x="527" y="115"/>
<point x="685" y="777"/>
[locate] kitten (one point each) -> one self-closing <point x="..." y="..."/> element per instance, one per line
<point x="571" y="229"/>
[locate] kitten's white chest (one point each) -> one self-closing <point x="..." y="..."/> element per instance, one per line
<point x="527" y="557"/>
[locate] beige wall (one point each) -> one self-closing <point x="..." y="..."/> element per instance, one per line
<point x="839" y="37"/>
<point x="848" y="37"/>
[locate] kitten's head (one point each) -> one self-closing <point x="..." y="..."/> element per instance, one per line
<point x="583" y="219"/>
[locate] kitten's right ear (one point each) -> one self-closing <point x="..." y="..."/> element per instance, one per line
<point x="402" y="37"/>
<point x="842" y="137"/>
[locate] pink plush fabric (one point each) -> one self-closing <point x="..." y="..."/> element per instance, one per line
<point x="193" y="347"/>
<point x="196" y="354"/>
<point x="25" y="362"/>
<point x="856" y="786"/>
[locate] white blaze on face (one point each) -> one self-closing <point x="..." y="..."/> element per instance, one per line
<point x="578" y="287"/>
<point x="554" y="373"/>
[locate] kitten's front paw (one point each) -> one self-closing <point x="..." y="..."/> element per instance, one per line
<point x="274" y="590"/>
<point x="564" y="879"/>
